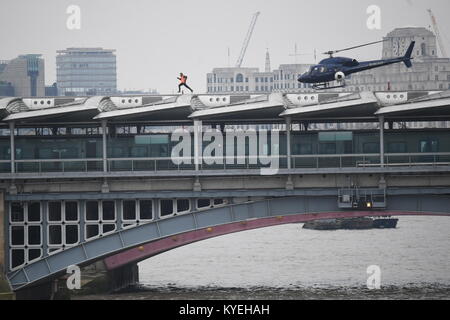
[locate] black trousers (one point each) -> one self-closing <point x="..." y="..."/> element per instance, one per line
<point x="184" y="84"/>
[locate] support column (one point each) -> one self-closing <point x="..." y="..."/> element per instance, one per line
<point x="105" y="160"/>
<point x="197" y="144"/>
<point x="381" y="120"/>
<point x="198" y="150"/>
<point x="105" y="186"/>
<point x="12" y="147"/>
<point x="288" y="141"/>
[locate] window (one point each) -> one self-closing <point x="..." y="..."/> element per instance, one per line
<point x="99" y="224"/>
<point x="135" y="212"/>
<point x="327" y="148"/>
<point x="203" y="203"/>
<point x="371" y="147"/>
<point x="206" y="203"/>
<point x="423" y="49"/>
<point x="183" y="205"/>
<point x="129" y="210"/>
<point x="303" y="148"/>
<point x="146" y="209"/>
<point x="428" y="146"/>
<point x="17" y="212"/>
<point x="239" y="78"/>
<point x="108" y="210"/>
<point x="397" y="147"/>
<point x="166" y="207"/>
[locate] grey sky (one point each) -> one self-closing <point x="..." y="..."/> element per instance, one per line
<point x="156" y="39"/>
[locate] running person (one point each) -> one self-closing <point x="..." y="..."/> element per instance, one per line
<point x="183" y="79"/>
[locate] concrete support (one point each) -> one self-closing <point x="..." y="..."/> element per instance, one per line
<point x="289" y="183"/>
<point x="198" y="149"/>
<point x="197" y="185"/>
<point x="381" y="119"/>
<point x="288" y="141"/>
<point x="5" y="290"/>
<point x="123" y="277"/>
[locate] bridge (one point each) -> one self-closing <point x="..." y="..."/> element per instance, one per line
<point x="88" y="179"/>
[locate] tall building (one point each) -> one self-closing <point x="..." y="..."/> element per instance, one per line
<point x="25" y="74"/>
<point x="6" y="89"/>
<point x="267" y="67"/>
<point x="429" y="72"/>
<point x="86" y="72"/>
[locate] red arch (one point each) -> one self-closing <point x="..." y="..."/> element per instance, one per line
<point x="151" y="249"/>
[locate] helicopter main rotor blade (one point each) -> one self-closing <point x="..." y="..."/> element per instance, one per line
<point x="355" y="47"/>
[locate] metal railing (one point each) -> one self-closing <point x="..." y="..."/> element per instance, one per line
<point x="338" y="161"/>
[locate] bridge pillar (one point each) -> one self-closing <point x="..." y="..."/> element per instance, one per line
<point x="5" y="290"/>
<point x="123" y="277"/>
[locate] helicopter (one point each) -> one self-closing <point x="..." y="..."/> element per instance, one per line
<point x="338" y="68"/>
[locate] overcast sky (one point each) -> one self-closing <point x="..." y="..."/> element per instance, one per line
<point x="156" y="39"/>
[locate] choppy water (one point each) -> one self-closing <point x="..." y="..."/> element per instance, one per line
<point x="288" y="262"/>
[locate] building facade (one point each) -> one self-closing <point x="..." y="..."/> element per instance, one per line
<point x="25" y="74"/>
<point x="239" y="80"/>
<point x="429" y="72"/>
<point x="86" y="72"/>
<point x="285" y="78"/>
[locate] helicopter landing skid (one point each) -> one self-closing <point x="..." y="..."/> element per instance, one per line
<point x="326" y="85"/>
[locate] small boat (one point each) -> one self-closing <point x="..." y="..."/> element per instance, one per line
<point x="352" y="224"/>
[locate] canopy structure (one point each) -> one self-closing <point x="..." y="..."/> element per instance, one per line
<point x="301" y="106"/>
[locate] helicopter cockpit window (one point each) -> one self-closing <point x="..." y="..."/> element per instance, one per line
<point x="315" y="69"/>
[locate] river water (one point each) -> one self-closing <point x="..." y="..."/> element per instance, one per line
<point x="288" y="262"/>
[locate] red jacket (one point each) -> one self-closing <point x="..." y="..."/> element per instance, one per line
<point x="183" y="79"/>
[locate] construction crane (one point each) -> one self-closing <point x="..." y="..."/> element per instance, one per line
<point x="247" y="40"/>
<point x="438" y="34"/>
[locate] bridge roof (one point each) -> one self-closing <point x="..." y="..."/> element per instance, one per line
<point x="308" y="106"/>
<point x="435" y="105"/>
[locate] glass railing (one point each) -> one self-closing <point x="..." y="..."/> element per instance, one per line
<point x="226" y="163"/>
